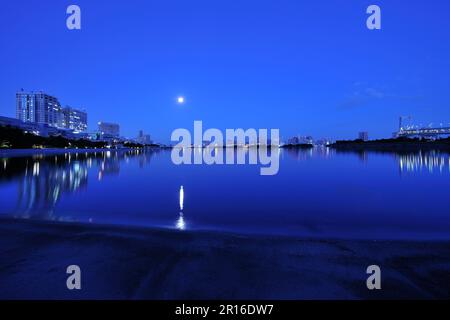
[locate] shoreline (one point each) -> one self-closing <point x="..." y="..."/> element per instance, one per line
<point x="393" y="145"/>
<point x="220" y="233"/>
<point x="119" y="262"/>
<point x="14" y="153"/>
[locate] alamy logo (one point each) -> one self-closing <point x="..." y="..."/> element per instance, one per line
<point x="374" y="280"/>
<point x="73" y="22"/>
<point x="74" y="280"/>
<point x="374" y="20"/>
<point x="209" y="147"/>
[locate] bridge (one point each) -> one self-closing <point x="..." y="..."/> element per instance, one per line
<point x="424" y="132"/>
<point x="410" y="131"/>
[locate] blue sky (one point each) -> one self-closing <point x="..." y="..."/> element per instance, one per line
<point x="305" y="67"/>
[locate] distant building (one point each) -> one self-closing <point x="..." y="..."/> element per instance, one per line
<point x="323" y="142"/>
<point x="38" y="107"/>
<point x="306" y="140"/>
<point x="363" y="135"/>
<point x="74" y="119"/>
<point x="109" y="130"/>
<point x="293" y="141"/>
<point x="300" y="140"/>
<point x="143" y="138"/>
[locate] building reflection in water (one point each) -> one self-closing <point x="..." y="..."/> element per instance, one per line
<point x="144" y="157"/>
<point x="431" y="161"/>
<point x="181" y="224"/>
<point x="300" y="154"/>
<point x="44" y="179"/>
<point x="40" y="188"/>
<point x="218" y="155"/>
<point x="108" y="164"/>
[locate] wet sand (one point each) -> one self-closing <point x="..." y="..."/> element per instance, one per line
<point x="138" y="263"/>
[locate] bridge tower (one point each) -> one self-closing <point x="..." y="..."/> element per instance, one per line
<point x="400" y="122"/>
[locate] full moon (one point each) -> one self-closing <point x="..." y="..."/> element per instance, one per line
<point x="180" y="100"/>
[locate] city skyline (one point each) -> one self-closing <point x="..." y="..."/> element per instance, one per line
<point x="40" y="108"/>
<point x="254" y="64"/>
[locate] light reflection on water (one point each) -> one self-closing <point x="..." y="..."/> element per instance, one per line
<point x="318" y="192"/>
<point x="431" y="161"/>
<point x="181" y="224"/>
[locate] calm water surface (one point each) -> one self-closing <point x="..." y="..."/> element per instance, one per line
<point x="317" y="193"/>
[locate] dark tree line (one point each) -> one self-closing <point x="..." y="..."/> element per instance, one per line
<point x="15" y="138"/>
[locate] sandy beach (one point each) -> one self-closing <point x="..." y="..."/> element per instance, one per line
<point x="137" y="263"/>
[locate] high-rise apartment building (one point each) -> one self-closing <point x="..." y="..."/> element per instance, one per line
<point x="363" y="135"/>
<point x="73" y="119"/>
<point x="38" y="107"/>
<point x="143" y="138"/>
<point x="41" y="108"/>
